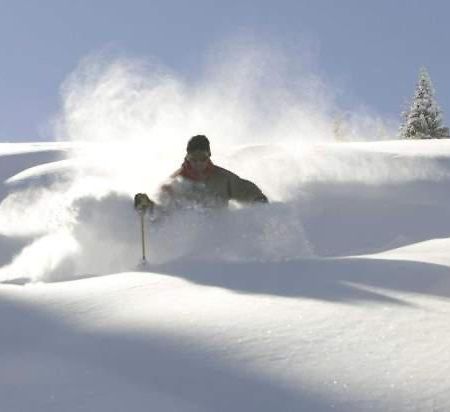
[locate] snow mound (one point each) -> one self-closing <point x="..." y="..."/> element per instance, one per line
<point x="268" y="308"/>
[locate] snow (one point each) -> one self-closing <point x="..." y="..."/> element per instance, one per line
<point x="335" y="297"/>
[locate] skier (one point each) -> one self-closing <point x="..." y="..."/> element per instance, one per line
<point x="199" y="182"/>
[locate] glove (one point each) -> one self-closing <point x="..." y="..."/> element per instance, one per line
<point x="142" y="202"/>
<point x="261" y="199"/>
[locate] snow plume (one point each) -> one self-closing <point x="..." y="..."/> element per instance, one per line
<point x="108" y="232"/>
<point x="129" y="121"/>
<point x="137" y="115"/>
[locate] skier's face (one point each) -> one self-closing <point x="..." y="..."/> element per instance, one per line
<point x="198" y="160"/>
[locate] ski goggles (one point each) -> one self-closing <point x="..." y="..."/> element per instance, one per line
<point x="198" y="156"/>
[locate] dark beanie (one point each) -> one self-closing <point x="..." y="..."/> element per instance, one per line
<point x="199" y="142"/>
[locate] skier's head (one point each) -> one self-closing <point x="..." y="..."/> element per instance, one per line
<point x="198" y="152"/>
<point x="198" y="143"/>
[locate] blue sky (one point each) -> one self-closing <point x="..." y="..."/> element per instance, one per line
<point x="370" y="51"/>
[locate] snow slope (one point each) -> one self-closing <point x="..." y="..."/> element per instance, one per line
<point x="336" y="298"/>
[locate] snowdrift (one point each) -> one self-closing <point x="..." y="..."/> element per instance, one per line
<point x="333" y="297"/>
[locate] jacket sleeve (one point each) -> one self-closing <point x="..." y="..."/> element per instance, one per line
<point x="244" y="191"/>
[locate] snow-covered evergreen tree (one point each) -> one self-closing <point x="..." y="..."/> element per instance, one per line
<point x="424" y="118"/>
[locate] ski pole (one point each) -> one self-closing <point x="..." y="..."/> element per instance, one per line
<point x="142" y="213"/>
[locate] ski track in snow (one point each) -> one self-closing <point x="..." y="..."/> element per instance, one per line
<point x="335" y="299"/>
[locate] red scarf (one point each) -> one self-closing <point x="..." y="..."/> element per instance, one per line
<point x="189" y="172"/>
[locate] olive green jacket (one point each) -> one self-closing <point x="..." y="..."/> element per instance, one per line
<point x="216" y="190"/>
